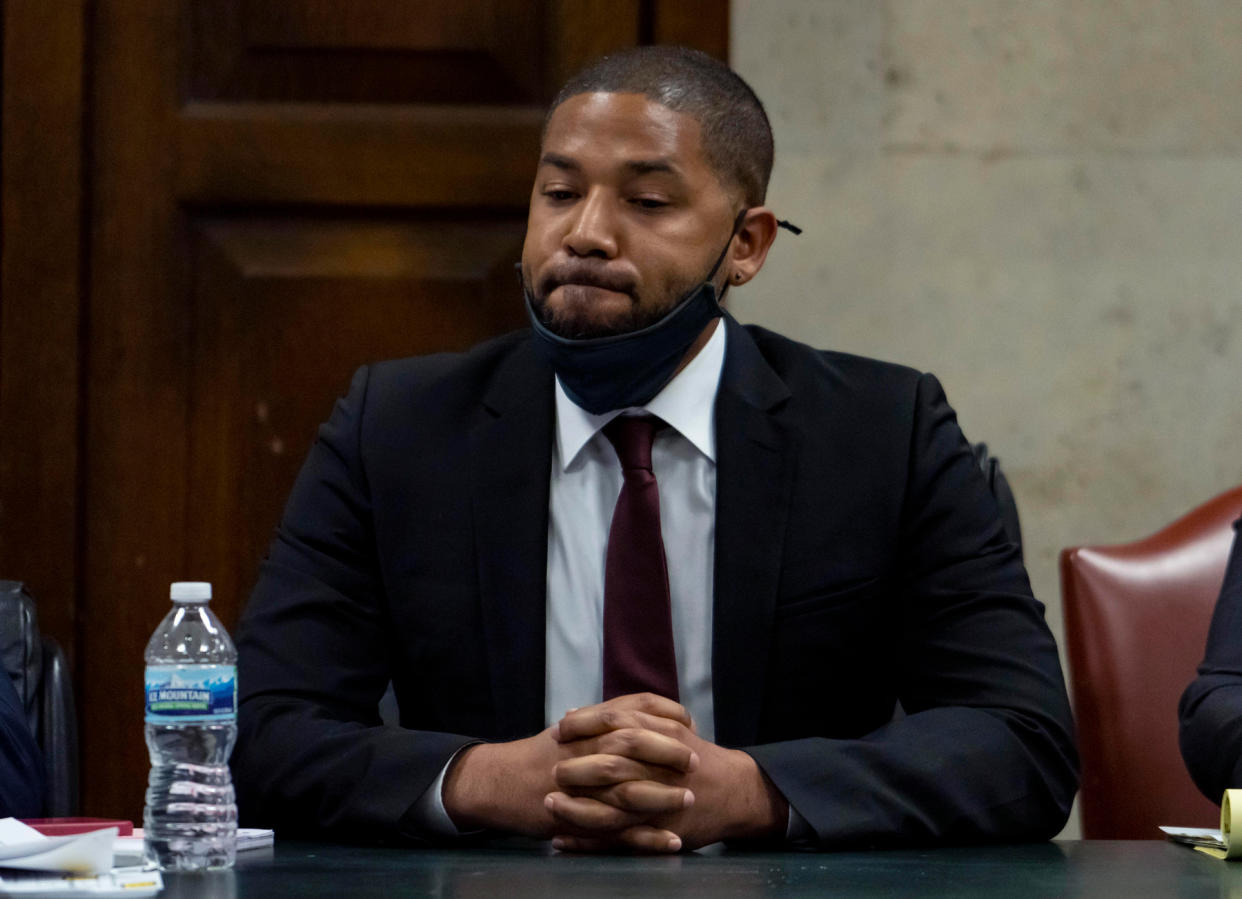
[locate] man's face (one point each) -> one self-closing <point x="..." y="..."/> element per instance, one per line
<point x="626" y="215"/>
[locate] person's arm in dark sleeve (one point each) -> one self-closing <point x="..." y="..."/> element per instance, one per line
<point x="1210" y="711"/>
<point x="21" y="762"/>
<point x="986" y="749"/>
<point x="312" y="755"/>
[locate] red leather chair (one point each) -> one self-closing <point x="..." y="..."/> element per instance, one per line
<point x="1136" y="622"/>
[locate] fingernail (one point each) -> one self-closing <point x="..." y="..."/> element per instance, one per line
<point x="558" y="843"/>
<point x="694" y="761"/>
<point x="688" y="800"/>
<point x="556" y="731"/>
<point x="571" y="711"/>
<point x="674" y="845"/>
<point x="549" y="802"/>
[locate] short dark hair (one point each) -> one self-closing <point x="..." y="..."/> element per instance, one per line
<point x="737" y="138"/>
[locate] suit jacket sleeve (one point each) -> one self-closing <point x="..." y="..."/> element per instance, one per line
<point x="985" y="749"/>
<point x="1210" y="711"/>
<point x="312" y="755"/>
<point x="21" y="762"/>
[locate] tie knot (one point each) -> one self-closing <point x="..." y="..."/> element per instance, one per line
<point x="631" y="436"/>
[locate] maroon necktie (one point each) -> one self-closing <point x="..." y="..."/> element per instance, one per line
<point x="638" y="618"/>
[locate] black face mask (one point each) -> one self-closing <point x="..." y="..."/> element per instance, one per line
<point x="605" y="373"/>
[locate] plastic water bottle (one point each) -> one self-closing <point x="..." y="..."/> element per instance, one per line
<point x="190" y="819"/>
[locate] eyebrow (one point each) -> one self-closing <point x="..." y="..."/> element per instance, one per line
<point x="652" y="166"/>
<point x="556" y="160"/>
<point x="636" y="166"/>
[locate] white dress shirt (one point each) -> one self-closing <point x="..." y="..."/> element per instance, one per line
<point x="586" y="481"/>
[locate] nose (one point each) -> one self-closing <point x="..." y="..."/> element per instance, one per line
<point x="592" y="228"/>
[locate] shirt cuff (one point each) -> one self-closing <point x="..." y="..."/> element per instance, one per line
<point x="428" y="813"/>
<point x="798" y="830"/>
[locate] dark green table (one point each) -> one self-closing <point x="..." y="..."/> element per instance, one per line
<point x="1088" y="868"/>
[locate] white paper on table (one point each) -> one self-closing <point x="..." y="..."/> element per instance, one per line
<point x="1219" y="844"/>
<point x="1195" y="836"/>
<point x="82" y="853"/>
<point x="121" y="882"/>
<point x="127" y="848"/>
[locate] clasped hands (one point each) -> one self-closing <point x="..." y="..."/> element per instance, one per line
<point x="629" y="773"/>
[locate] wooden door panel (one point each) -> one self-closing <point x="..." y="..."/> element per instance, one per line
<point x="286" y="309"/>
<point x="41" y="126"/>
<point x="369" y="51"/>
<point x="341" y="155"/>
<point x="416" y="51"/>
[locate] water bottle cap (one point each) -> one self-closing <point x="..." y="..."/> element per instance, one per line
<point x="190" y="591"/>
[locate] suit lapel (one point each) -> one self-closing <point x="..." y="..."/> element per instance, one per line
<point x="510" y="461"/>
<point x="754" y="474"/>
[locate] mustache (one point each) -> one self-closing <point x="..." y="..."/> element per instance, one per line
<point x="586" y="274"/>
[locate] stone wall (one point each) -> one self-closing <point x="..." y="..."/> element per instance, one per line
<point x="1041" y="202"/>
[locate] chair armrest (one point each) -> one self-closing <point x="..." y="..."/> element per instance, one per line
<point x="58" y="732"/>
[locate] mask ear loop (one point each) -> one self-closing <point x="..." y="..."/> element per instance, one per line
<point x="737" y="226"/>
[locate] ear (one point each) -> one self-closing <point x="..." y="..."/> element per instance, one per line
<point x="750" y="245"/>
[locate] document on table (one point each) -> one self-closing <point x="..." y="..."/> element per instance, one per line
<point x="85" y="853"/>
<point x="45" y="884"/>
<point x="1216" y="843"/>
<point x="127" y="848"/>
<point x="32" y="864"/>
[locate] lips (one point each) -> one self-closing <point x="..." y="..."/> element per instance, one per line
<point x="577" y="285"/>
<point x="581" y="277"/>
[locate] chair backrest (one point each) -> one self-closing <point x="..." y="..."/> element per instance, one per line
<point x="41" y="676"/>
<point x="1136" y="622"/>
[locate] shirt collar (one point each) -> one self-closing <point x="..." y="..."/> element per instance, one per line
<point x="687" y="403"/>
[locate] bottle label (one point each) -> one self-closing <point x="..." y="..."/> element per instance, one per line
<point x="182" y="694"/>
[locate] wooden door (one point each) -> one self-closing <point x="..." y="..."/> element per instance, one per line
<point x="272" y="192"/>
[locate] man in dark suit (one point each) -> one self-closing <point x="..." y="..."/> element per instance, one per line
<point x="832" y="551"/>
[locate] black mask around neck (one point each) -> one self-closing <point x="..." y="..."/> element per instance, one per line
<point x="605" y="373"/>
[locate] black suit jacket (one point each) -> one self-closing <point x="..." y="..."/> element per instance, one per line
<point x="860" y="561"/>
<point x="22" y="774"/>
<point x="1210" y="712"/>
